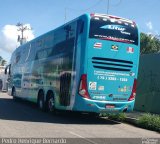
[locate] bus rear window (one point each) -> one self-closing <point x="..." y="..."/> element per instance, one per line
<point x="114" y="30"/>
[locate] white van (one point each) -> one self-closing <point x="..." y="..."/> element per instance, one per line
<point x="3" y="79"/>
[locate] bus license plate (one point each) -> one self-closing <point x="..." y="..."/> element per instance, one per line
<point x="110" y="106"/>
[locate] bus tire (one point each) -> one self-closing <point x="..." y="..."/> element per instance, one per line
<point x="92" y="114"/>
<point x="50" y="102"/>
<point x="40" y="101"/>
<point x="13" y="93"/>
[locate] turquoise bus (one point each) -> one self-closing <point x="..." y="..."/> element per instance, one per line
<point x="89" y="64"/>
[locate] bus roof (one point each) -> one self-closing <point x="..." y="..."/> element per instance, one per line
<point x="86" y="14"/>
<point x="112" y="17"/>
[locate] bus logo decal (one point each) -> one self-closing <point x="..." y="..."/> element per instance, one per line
<point x="114" y="48"/>
<point x="92" y="85"/>
<point x="101" y="88"/>
<point x="130" y="50"/>
<point x="114" y="27"/>
<point x="98" y="45"/>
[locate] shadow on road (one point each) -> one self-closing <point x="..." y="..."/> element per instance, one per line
<point x="20" y="110"/>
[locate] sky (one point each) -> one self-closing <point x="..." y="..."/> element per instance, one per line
<point x="41" y="16"/>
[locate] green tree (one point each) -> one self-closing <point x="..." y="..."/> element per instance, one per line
<point x="1" y="58"/>
<point x="2" y="61"/>
<point x="149" y="44"/>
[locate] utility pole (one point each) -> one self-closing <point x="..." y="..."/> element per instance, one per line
<point x="65" y="15"/>
<point x="107" y="6"/>
<point x="22" y="28"/>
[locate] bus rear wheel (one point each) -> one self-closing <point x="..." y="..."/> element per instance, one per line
<point x="40" y="101"/>
<point x="13" y="93"/>
<point x="50" y="102"/>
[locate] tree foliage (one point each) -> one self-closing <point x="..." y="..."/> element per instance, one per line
<point x="2" y="61"/>
<point x="149" y="44"/>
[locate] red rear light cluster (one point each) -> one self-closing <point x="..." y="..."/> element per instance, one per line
<point x="114" y="17"/>
<point x="83" y="91"/>
<point x="92" y="14"/>
<point x="133" y="94"/>
<point x="134" y="23"/>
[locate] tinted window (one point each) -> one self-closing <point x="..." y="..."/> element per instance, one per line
<point x="18" y="56"/>
<point x="44" y="53"/>
<point x="107" y="29"/>
<point x="64" y="40"/>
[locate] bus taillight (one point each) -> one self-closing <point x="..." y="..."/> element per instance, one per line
<point x="92" y="14"/>
<point x="113" y="17"/>
<point x="133" y="94"/>
<point x="83" y="91"/>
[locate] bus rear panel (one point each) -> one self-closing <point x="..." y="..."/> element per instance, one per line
<point x="109" y="82"/>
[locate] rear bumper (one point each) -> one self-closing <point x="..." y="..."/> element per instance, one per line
<point x="88" y="105"/>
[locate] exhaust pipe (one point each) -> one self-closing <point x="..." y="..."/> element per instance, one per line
<point x="125" y="109"/>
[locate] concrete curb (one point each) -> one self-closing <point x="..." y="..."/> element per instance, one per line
<point x="133" y="117"/>
<point x="131" y="120"/>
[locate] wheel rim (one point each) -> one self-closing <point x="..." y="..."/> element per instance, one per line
<point x="41" y="100"/>
<point x="40" y="104"/>
<point x="51" y="104"/>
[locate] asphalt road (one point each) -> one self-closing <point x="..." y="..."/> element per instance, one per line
<point x="20" y="119"/>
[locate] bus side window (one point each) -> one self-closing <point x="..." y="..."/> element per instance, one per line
<point x="81" y="26"/>
<point x="18" y="57"/>
<point x="67" y="29"/>
<point x="9" y="73"/>
<point x="7" y="70"/>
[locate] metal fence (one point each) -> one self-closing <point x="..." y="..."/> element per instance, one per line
<point x="148" y="87"/>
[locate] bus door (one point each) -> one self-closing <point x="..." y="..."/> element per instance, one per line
<point x="67" y="61"/>
<point x="65" y="82"/>
<point x="70" y="69"/>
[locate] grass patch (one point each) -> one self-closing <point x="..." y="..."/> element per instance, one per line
<point x="118" y="116"/>
<point x="149" y="121"/>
